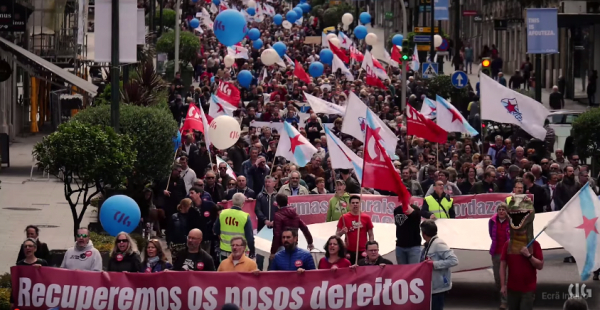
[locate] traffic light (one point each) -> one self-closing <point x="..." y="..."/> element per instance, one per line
<point x="485" y="66"/>
<point x="407" y="50"/>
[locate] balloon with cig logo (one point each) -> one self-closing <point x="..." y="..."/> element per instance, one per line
<point x="228" y="61"/>
<point x="230" y="27"/>
<point x="119" y="213"/>
<point x="224" y="132"/>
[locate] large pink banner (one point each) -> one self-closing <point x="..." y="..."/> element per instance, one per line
<point x="372" y="287"/>
<point x="313" y="208"/>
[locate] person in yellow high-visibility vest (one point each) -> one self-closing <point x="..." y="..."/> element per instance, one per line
<point x="438" y="205"/>
<point x="234" y="222"/>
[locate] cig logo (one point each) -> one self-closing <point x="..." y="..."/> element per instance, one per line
<point x="579" y="290"/>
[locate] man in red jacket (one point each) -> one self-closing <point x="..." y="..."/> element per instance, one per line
<point x="286" y="218"/>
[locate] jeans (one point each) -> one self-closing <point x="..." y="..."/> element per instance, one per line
<point x="437" y="301"/>
<point x="405" y="256"/>
<point x="496" y="269"/>
<point x="469" y="66"/>
<point x="260" y="261"/>
<point x="591" y="99"/>
<point x="520" y="300"/>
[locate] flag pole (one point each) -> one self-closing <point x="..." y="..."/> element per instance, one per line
<point x="170" y="174"/>
<point x="437" y="155"/>
<point x="359" y="225"/>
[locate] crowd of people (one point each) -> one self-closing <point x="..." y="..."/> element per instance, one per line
<point x="202" y="236"/>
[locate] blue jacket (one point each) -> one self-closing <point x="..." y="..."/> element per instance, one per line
<point x="157" y="268"/>
<point x="292" y="260"/>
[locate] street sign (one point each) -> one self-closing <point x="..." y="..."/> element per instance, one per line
<point x="422" y="38"/>
<point x="445" y="45"/>
<point x="430" y="70"/>
<point x="424" y="8"/>
<point x="500" y="24"/>
<point x="425" y="29"/>
<point x="469" y="13"/>
<point x="477" y="19"/>
<point x="459" y="79"/>
<point x="389" y="15"/>
<point x="423" y="48"/>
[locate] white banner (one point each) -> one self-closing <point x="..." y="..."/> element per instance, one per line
<point x="127" y="38"/>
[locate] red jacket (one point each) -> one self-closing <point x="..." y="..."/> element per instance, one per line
<point x="287" y="217"/>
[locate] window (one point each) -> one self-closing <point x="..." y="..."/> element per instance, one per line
<point x="570" y="118"/>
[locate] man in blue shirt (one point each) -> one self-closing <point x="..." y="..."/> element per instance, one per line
<point x="292" y="258"/>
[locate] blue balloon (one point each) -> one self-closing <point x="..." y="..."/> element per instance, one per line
<point x="305" y="7"/>
<point x="326" y="56"/>
<point x="299" y="12"/>
<point x="278" y="19"/>
<point x="397" y="39"/>
<point x="257" y="44"/>
<point x="194" y="23"/>
<point x="316" y="69"/>
<point x="302" y="1"/>
<point x="360" y="32"/>
<point x="291" y="16"/>
<point x="244" y="78"/>
<point x="216" y="2"/>
<point x="194" y="1"/>
<point x="365" y="18"/>
<point x="251" y="11"/>
<point x="230" y="27"/>
<point x="119" y="213"/>
<point x="254" y="34"/>
<point x="280" y="48"/>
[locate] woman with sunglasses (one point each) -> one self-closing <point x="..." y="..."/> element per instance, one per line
<point x="124" y="256"/>
<point x="154" y="258"/>
<point x="29" y="248"/>
<point x="335" y="254"/>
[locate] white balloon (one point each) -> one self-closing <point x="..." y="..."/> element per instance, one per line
<point x="228" y="61"/>
<point x="347" y="19"/>
<point x="251" y="4"/>
<point x="335" y="41"/>
<point x="371" y="39"/>
<point x="331" y="36"/>
<point x="346" y="27"/>
<point x="224" y="132"/>
<point x="286" y="24"/>
<point x="437" y="40"/>
<point x="269" y="57"/>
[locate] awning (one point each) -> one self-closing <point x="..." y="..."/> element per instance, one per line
<point x="68" y="77"/>
<point x="577" y="20"/>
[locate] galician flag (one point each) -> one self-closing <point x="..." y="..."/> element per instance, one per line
<point x="429" y="108"/>
<point x="341" y="156"/>
<point x="229" y="170"/>
<point x="576" y="228"/>
<point x="415" y="64"/>
<point x="450" y="119"/>
<point x="294" y="147"/>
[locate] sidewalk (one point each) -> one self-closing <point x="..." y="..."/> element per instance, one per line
<point x="474" y="78"/>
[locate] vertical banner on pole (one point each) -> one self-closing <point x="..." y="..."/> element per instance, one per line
<point x="141" y="27"/>
<point x="127" y="39"/>
<point x="441" y="11"/>
<point x="82" y="20"/>
<point x="542" y="31"/>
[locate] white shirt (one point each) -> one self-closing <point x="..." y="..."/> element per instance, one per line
<point x="189" y="176"/>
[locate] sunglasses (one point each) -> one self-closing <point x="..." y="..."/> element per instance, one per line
<point x="231" y="184"/>
<point x="122" y="241"/>
<point x="222" y="168"/>
<point x="82" y="236"/>
<point x="209" y="178"/>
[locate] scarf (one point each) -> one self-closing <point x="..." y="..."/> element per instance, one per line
<point x="152" y="261"/>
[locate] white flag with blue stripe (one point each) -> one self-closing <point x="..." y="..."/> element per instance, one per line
<point x="576" y="228"/>
<point x="429" y="108"/>
<point x="294" y="147"/>
<point x="450" y="119"/>
<point x="341" y="156"/>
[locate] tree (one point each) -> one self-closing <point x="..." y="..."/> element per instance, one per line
<point x="88" y="159"/>
<point x="441" y="85"/>
<point x="586" y="134"/>
<point x="144" y="87"/>
<point x="152" y="130"/>
<point x="188" y="46"/>
<point x="168" y="18"/>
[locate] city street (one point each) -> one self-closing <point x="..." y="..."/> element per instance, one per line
<point x="42" y="203"/>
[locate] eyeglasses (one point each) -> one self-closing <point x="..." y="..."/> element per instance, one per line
<point x="199" y="184"/>
<point x="28" y="246"/>
<point x="222" y="168"/>
<point x="209" y="178"/>
<point x="231" y="184"/>
<point x="122" y="241"/>
<point x="82" y="236"/>
<point x="373" y="251"/>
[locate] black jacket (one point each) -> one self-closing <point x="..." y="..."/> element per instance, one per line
<point x="41" y="252"/>
<point x="540" y="197"/>
<point x="215" y="192"/>
<point x="180" y="224"/>
<point x="129" y="263"/>
<point x="265" y="201"/>
<point x="200" y="261"/>
<point x="408" y="231"/>
<point x="248" y="192"/>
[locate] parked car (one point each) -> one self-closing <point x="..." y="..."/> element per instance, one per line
<point x="561" y="121"/>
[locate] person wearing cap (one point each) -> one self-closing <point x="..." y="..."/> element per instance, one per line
<point x="338" y="204"/>
<point x="352" y="186"/>
<point x="499" y="230"/>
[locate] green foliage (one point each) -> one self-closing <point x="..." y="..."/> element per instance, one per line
<point x="188" y="46"/>
<point x="168" y="18"/>
<point x="586" y="134"/>
<point x="105" y="96"/>
<point x="87" y="158"/>
<point x="152" y="130"/>
<point x="5" y="298"/>
<point x="144" y="87"/>
<point x="442" y="85"/>
<point x="5" y="280"/>
<point x="332" y="16"/>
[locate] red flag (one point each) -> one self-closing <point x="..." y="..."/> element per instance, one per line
<point x="193" y="120"/>
<point x="338" y="52"/>
<point x="356" y="54"/>
<point x="378" y="169"/>
<point x="396" y="55"/>
<point x="422" y="127"/>
<point x="228" y="92"/>
<point x="301" y="74"/>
